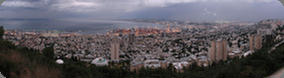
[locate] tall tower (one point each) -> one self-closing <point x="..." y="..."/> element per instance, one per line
<point x="168" y="28"/>
<point x="255" y="42"/>
<point x="225" y="50"/>
<point x="115" y="47"/>
<point x="212" y="51"/>
<point x="251" y="42"/>
<point x="131" y="38"/>
<point x="258" y="42"/>
<point x="218" y="51"/>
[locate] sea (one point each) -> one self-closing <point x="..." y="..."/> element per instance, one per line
<point x="88" y="27"/>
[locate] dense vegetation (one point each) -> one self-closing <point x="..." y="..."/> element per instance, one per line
<point x="1" y="31"/>
<point x="20" y="62"/>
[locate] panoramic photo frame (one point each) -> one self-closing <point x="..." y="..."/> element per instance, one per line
<point x="141" y="38"/>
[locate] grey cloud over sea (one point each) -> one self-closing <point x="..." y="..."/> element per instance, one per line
<point x="195" y="10"/>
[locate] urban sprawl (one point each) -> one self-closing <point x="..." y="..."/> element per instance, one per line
<point x="177" y="43"/>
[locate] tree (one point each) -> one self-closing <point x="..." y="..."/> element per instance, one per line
<point x="48" y="52"/>
<point x="1" y="32"/>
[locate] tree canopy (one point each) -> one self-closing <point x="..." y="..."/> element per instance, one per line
<point x="1" y="32"/>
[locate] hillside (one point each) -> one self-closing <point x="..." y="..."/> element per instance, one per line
<point x="16" y="63"/>
<point x="19" y="62"/>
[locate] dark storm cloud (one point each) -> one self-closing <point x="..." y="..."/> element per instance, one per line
<point x="282" y="1"/>
<point x="217" y="11"/>
<point x="1" y="1"/>
<point x="196" y="10"/>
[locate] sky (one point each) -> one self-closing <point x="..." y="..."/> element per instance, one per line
<point x="190" y="10"/>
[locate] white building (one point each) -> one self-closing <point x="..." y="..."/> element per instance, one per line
<point x="59" y="61"/>
<point x="100" y="61"/>
<point x="152" y="64"/>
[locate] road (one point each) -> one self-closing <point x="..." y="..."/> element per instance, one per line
<point x="275" y="46"/>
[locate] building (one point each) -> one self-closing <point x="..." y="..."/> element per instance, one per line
<point x="225" y="49"/>
<point x="168" y="29"/>
<point x="164" y="64"/>
<point x="255" y="42"/>
<point x="59" y="61"/>
<point x="235" y="53"/>
<point x="152" y="64"/>
<point x="131" y="38"/>
<point x="258" y="42"/>
<point x="135" y="67"/>
<point x="202" y="61"/>
<point x="115" y="48"/>
<point x="212" y="51"/>
<point x="180" y="66"/>
<point x="50" y="34"/>
<point x="100" y="61"/>
<point x="218" y="51"/>
<point x="251" y="42"/>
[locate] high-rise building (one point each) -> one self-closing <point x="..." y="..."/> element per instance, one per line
<point x="225" y="50"/>
<point x="212" y="51"/>
<point x="218" y="51"/>
<point x="258" y="42"/>
<point x="251" y="42"/>
<point x="255" y="42"/>
<point x="131" y="38"/>
<point x="168" y="28"/>
<point x="115" y="47"/>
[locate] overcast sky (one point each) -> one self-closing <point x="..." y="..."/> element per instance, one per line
<point x="193" y="10"/>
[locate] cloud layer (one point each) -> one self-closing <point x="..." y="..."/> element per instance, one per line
<point x="116" y="8"/>
<point x="110" y="5"/>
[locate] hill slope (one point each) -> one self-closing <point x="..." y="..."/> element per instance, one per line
<point x="18" y="62"/>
